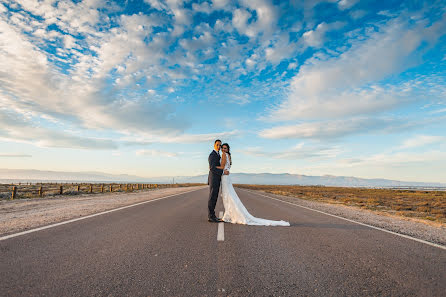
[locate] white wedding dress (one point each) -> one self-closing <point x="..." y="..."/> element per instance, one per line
<point x="235" y="211"/>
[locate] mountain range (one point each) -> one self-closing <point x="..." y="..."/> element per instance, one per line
<point x="30" y="175"/>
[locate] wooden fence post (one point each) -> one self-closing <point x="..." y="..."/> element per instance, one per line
<point x="102" y="188"/>
<point x="91" y="188"/>
<point x="40" y="191"/>
<point x="126" y="187"/>
<point x="14" y="192"/>
<point x="78" y="188"/>
<point x="111" y="188"/>
<point x="61" y="190"/>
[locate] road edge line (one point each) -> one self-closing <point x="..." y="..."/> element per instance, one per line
<point x="353" y="221"/>
<point x="88" y="216"/>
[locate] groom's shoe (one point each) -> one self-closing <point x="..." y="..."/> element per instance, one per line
<point x="213" y="220"/>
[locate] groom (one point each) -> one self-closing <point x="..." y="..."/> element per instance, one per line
<point x="214" y="180"/>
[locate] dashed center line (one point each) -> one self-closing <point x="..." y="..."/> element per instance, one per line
<point x="221" y="229"/>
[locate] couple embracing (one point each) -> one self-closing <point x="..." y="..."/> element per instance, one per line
<point x="219" y="175"/>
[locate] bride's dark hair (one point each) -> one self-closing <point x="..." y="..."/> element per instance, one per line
<point x="229" y="150"/>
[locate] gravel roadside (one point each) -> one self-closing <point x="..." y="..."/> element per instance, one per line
<point x="428" y="231"/>
<point x="24" y="214"/>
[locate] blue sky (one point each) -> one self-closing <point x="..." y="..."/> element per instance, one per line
<point x="345" y="87"/>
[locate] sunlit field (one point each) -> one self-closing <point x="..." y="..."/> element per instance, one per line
<point x="426" y="205"/>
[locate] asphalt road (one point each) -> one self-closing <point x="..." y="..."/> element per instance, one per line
<point x="167" y="248"/>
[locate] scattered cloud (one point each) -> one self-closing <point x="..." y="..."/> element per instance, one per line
<point x="198" y="138"/>
<point x="346" y="4"/>
<point x="391" y="159"/>
<point x="338" y="128"/>
<point x="15" y="156"/>
<point x="16" y="129"/>
<point x="316" y="37"/>
<point x="349" y="84"/>
<point x="156" y="153"/>
<point x="33" y="84"/>
<point x="101" y="75"/>
<point x="422" y="140"/>
<point x="300" y="151"/>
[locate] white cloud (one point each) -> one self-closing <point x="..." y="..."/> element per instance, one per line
<point x="16" y="129"/>
<point x="339" y="128"/>
<point x="422" y="140"/>
<point x="300" y="151"/>
<point x="348" y="84"/>
<point x="265" y="20"/>
<point x="156" y="153"/>
<point x="202" y="7"/>
<point x="346" y="4"/>
<point x="197" y="138"/>
<point x="240" y="18"/>
<point x="393" y="159"/>
<point x="292" y="65"/>
<point x="251" y="61"/>
<point x="15" y="156"/>
<point x="69" y="41"/>
<point x="147" y="138"/>
<point x="439" y="110"/>
<point x="30" y="83"/>
<point x="156" y="4"/>
<point x="203" y="42"/>
<point x="357" y="14"/>
<point x="281" y="50"/>
<point x="221" y="4"/>
<point x="316" y="37"/>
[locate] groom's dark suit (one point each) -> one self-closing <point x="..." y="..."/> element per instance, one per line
<point x="214" y="180"/>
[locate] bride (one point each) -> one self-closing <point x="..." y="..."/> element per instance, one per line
<point x="235" y="211"/>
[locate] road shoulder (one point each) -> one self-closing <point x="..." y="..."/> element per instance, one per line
<point x="25" y="214"/>
<point x="420" y="230"/>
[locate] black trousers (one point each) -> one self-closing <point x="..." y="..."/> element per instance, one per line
<point x="214" y="188"/>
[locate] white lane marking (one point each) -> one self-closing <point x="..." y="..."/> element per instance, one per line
<point x="221" y="229"/>
<point x="367" y="225"/>
<point x="89" y="216"/>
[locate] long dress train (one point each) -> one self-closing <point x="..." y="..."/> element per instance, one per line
<point x="235" y="211"/>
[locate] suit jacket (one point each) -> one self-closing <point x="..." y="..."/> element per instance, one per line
<point x="214" y="173"/>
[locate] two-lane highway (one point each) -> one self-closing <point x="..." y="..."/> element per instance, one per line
<point x="167" y="248"/>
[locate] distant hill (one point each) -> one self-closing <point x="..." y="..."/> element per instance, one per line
<point x="298" y="179"/>
<point x="239" y="178"/>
